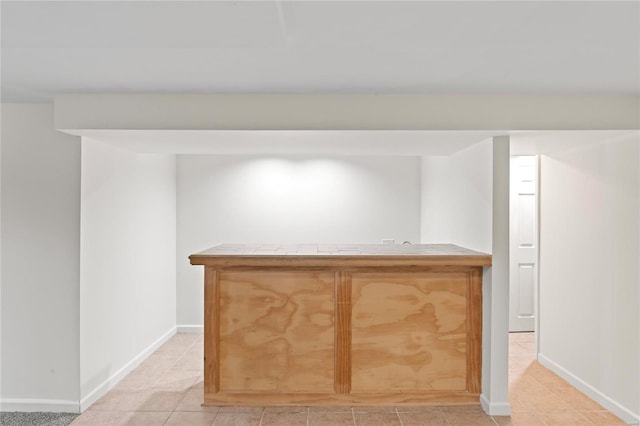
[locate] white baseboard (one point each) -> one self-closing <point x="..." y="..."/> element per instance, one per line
<point x="37" y="405"/>
<point x="495" y="408"/>
<point x="593" y="393"/>
<point x="199" y="329"/>
<point x="108" y="384"/>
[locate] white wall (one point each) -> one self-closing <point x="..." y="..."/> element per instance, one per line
<point x="127" y="274"/>
<point x="436" y="186"/>
<point x="224" y="199"/>
<point x="457" y="198"/>
<point x="589" y="278"/>
<point x="40" y="261"/>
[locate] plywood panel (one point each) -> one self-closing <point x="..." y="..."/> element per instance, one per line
<point x="277" y="331"/>
<point x="261" y="399"/>
<point x="409" y="332"/>
<point x="211" y="328"/>
<point x="474" y="332"/>
<point x="343" y="333"/>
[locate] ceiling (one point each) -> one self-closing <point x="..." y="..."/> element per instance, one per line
<point x="543" y="47"/>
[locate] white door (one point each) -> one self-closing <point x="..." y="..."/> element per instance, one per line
<point x="523" y="277"/>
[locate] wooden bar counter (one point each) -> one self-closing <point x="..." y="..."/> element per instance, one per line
<point x="315" y="324"/>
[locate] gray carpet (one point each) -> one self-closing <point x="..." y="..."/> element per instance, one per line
<point x="36" y="419"/>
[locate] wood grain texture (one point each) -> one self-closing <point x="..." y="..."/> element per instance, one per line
<point x="343" y="333"/>
<point x="437" y="398"/>
<point x="332" y="325"/>
<point x="409" y="332"/>
<point x="474" y="331"/>
<point x="277" y="331"/>
<point x="211" y="331"/>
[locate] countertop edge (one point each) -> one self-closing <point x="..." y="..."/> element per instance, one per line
<point x="340" y="260"/>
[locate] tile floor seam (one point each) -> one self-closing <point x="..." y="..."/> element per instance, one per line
<point x="443" y="416"/>
<point x="179" y="357"/>
<point x="541" y="419"/>
<point x="261" y="417"/>
<point x="399" y="418"/>
<point x="353" y="415"/>
<point x="192" y="345"/>
<point x="160" y="376"/>
<point x="183" y="397"/>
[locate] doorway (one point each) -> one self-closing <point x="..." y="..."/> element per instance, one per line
<point x="523" y="245"/>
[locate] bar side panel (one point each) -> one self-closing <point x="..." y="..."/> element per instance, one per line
<point x="409" y="332"/>
<point x="277" y="331"/>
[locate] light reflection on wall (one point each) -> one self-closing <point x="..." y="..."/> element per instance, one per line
<point x="301" y="199"/>
<point x="293" y="195"/>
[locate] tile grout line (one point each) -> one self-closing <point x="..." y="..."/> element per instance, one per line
<point x="443" y="416"/>
<point x="398" y="415"/>
<point x="174" y="364"/>
<point x="215" y="417"/>
<point x="187" y="391"/>
<point x="194" y="381"/>
<point x="184" y="353"/>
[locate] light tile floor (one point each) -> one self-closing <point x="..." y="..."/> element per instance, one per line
<point x="166" y="389"/>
